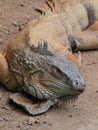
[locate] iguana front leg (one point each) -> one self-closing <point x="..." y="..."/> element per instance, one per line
<point x="6" y="77"/>
<point x="87" y="40"/>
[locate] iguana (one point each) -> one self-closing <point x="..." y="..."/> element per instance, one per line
<point x="39" y="60"/>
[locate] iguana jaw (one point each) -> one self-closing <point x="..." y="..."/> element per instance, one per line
<point x="59" y="88"/>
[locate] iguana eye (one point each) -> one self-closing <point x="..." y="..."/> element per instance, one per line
<point x="77" y="82"/>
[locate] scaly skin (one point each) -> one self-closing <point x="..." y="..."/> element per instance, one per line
<point x="39" y="59"/>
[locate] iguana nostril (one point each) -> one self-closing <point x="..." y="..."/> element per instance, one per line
<point x="79" y="85"/>
<point x="82" y="82"/>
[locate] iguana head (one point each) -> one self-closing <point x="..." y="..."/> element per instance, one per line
<point x="61" y="78"/>
<point x="50" y="76"/>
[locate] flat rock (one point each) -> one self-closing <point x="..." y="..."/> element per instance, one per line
<point x="30" y="121"/>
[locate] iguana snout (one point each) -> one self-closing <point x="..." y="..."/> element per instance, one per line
<point x="79" y="83"/>
<point x="71" y="78"/>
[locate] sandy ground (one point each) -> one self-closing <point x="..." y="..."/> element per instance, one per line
<point x="81" y="115"/>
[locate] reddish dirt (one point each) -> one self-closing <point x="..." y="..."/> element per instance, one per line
<point x="81" y="115"/>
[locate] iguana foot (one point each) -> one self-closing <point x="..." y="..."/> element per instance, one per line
<point x="74" y="59"/>
<point x="30" y="106"/>
<point x="53" y="5"/>
<point x="5" y="74"/>
<point x="87" y="40"/>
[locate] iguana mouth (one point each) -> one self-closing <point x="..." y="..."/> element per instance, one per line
<point x="80" y="91"/>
